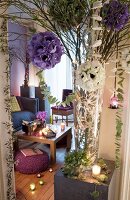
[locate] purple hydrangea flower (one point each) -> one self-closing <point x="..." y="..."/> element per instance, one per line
<point x="41" y="115"/>
<point x="45" y="50"/>
<point x="115" y="15"/>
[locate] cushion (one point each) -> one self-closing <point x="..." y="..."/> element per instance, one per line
<point x="62" y="108"/>
<point x="31" y="164"/>
<point x="19" y="116"/>
<point x="14" y="104"/>
<point x="29" y="104"/>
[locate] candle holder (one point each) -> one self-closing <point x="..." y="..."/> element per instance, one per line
<point x="114" y="102"/>
<point x="32" y="186"/>
<point x="50" y="170"/>
<point x="96" y="170"/>
<point x="39" y="175"/>
<point x="41" y="182"/>
<point x="62" y="125"/>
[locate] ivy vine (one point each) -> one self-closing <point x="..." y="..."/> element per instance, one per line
<point x="47" y="94"/>
<point x="119" y="123"/>
<point x="95" y="194"/>
<point x="7" y="102"/>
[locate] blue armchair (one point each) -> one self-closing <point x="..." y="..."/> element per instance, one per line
<point x="29" y="108"/>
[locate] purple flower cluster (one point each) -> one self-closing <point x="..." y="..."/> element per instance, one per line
<point x="115" y="15"/>
<point x="45" y="50"/>
<point x="41" y="115"/>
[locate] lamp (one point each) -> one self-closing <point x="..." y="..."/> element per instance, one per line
<point x="114" y="101"/>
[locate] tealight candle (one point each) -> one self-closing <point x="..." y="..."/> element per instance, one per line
<point x="96" y="170"/>
<point x="50" y="170"/>
<point x="40" y="133"/>
<point x="32" y="186"/>
<point x="38" y="175"/>
<point x="62" y="125"/>
<point x="41" y="182"/>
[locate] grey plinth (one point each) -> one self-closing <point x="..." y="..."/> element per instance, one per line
<point x="71" y="189"/>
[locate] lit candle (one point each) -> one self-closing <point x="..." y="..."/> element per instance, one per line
<point x="114" y="102"/>
<point x="32" y="186"/>
<point x="50" y="170"/>
<point x="41" y="182"/>
<point x="38" y="175"/>
<point x="96" y="170"/>
<point x="62" y="126"/>
<point x="40" y="133"/>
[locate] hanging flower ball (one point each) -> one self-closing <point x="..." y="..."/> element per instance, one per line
<point x="90" y="76"/>
<point x="45" y="50"/>
<point x="115" y="15"/>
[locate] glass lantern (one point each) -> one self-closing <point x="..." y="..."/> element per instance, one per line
<point x="114" y="102"/>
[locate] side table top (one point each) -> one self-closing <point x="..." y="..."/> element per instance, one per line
<point x="42" y="139"/>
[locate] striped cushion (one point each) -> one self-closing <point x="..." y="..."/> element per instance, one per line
<point x="14" y="104"/>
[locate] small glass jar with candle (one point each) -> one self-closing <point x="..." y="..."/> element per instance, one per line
<point x="114" y="102"/>
<point x="40" y="133"/>
<point x="32" y="186"/>
<point x="41" y="182"/>
<point x="62" y="125"/>
<point x="50" y="170"/>
<point x="39" y="175"/>
<point x="96" y="170"/>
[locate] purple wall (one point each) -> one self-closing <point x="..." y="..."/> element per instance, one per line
<point x="18" y="44"/>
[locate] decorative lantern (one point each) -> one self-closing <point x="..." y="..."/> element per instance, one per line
<point x="114" y="102"/>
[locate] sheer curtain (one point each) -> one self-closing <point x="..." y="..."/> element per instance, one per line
<point x="59" y="77"/>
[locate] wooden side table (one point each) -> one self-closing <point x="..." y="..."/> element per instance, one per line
<point x="51" y="141"/>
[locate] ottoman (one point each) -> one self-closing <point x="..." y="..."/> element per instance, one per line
<point x="31" y="164"/>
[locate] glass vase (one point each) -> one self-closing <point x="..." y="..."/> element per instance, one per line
<point x="87" y="113"/>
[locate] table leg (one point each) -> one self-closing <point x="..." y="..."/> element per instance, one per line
<point x="69" y="136"/>
<point x="52" y="119"/>
<point x="53" y="152"/>
<point x="67" y="120"/>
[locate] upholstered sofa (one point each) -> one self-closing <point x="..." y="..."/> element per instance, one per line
<point x="29" y="108"/>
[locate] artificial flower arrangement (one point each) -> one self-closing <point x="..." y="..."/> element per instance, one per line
<point x="41" y="115"/>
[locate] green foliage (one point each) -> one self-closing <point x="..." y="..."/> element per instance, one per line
<point x="67" y="13"/>
<point x="119" y="124"/>
<point x="47" y="94"/>
<point x="95" y="194"/>
<point x="74" y="161"/>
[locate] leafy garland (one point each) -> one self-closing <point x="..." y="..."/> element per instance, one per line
<point x="119" y="124"/>
<point x="103" y="50"/>
<point x="107" y="48"/>
<point x="8" y="124"/>
<point x="47" y="94"/>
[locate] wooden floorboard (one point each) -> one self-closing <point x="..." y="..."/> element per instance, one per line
<point x="23" y="181"/>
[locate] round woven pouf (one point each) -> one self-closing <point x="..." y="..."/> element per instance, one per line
<point x="31" y="164"/>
